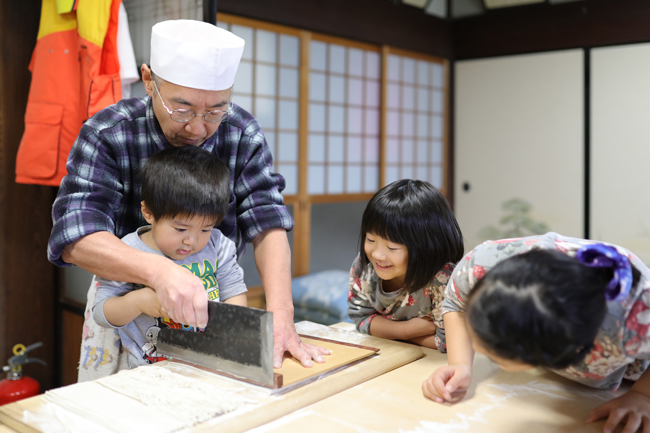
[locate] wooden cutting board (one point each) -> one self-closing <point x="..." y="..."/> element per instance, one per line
<point x="342" y="354"/>
<point x="30" y="415"/>
<point x="293" y="374"/>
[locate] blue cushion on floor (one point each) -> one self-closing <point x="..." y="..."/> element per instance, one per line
<point x="321" y="297"/>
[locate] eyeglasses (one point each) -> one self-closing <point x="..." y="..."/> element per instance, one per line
<point x="184" y="116"/>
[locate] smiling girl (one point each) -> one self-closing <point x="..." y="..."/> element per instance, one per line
<point x="408" y="245"/>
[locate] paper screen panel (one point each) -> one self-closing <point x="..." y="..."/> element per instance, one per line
<point x="344" y="95"/>
<point x="414" y="121"/>
<point x="268" y="86"/>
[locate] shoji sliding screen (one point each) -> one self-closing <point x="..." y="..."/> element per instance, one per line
<point x="342" y="118"/>
<point x="360" y="116"/>
<point x="344" y="113"/>
<point x="268" y="86"/>
<point x="415" y="118"/>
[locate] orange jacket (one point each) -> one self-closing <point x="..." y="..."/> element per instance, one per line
<point x="75" y="73"/>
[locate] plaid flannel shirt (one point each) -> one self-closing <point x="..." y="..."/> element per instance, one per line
<point x="102" y="189"/>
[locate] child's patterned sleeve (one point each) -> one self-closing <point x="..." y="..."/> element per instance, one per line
<point x="360" y="307"/>
<point x="637" y="328"/>
<point x="436" y="292"/>
<point x="459" y="286"/>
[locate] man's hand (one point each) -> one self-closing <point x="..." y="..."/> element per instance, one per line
<point x="181" y="295"/>
<point x="445" y="381"/>
<point x="273" y="260"/>
<point x="632" y="408"/>
<point x="285" y="339"/>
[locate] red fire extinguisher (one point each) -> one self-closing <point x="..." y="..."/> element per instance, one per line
<point x="16" y="386"/>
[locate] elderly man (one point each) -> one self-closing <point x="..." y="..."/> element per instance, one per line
<point x="193" y="67"/>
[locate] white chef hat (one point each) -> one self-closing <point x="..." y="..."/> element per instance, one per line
<point x="195" y="54"/>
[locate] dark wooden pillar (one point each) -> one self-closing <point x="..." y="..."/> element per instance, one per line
<point x="27" y="279"/>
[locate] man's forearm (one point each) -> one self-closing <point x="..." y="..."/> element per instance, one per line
<point x="273" y="260"/>
<point x="106" y="256"/>
<point x="180" y="293"/>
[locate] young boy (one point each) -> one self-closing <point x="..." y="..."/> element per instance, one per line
<point x="185" y="193"/>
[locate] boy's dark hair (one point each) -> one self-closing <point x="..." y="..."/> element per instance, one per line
<point x="414" y="213"/>
<point x="543" y="308"/>
<point x="186" y="181"/>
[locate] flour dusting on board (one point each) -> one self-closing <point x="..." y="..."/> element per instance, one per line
<point x="530" y="388"/>
<point x="463" y="422"/>
<point x="188" y="397"/>
<point x="322" y="331"/>
<point x="559" y="391"/>
<point x="281" y="422"/>
<point x="52" y="418"/>
<point x="163" y="397"/>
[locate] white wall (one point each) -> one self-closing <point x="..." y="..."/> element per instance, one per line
<point x="620" y="147"/>
<point x="519" y="133"/>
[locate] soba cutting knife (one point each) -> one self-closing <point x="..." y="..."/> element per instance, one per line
<point x="237" y="341"/>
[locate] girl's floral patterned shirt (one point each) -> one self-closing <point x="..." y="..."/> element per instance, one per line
<point x="367" y="300"/>
<point x="623" y="341"/>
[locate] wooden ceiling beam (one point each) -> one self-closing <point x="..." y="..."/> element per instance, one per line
<point x="372" y="21"/>
<point x="548" y="27"/>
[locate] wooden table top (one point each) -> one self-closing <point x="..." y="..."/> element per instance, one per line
<point x="536" y="401"/>
<point x="78" y="403"/>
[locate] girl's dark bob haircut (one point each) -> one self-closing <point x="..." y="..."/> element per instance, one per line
<point x="186" y="181"/>
<point x="543" y="308"/>
<point x="415" y="214"/>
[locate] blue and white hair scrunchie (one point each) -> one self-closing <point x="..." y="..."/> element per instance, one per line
<point x="605" y="256"/>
